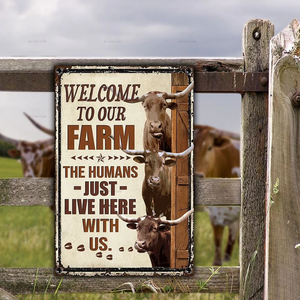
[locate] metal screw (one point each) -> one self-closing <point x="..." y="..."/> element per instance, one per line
<point x="256" y="35"/>
<point x="264" y="81"/>
<point x="296" y="99"/>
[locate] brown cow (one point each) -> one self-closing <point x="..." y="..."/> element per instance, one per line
<point x="157" y="129"/>
<point x="156" y="189"/>
<point x="154" y="237"/>
<point x="37" y="158"/>
<point x="216" y="155"/>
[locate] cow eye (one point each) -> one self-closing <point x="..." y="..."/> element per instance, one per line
<point x="209" y="148"/>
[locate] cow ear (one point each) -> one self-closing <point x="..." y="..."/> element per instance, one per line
<point x="132" y="225"/>
<point x="170" y="162"/>
<point x="139" y="159"/>
<point x="172" y="105"/>
<point x="14" y="153"/>
<point x="222" y="141"/>
<point x="163" y="227"/>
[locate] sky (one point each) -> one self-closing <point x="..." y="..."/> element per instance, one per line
<point x="116" y="28"/>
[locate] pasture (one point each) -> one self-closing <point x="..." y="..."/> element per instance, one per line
<point x="10" y="167"/>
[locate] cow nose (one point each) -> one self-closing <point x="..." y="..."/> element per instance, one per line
<point x="156" y="126"/>
<point x="155" y="179"/>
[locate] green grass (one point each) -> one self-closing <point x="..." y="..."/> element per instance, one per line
<point x="204" y="247"/>
<point x="10" y="167"/>
<point x="26" y="237"/>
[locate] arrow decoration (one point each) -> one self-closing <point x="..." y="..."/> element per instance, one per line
<point x="100" y="157"/>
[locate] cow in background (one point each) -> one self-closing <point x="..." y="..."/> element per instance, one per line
<point x="156" y="189"/>
<point x="154" y="237"/>
<point x="217" y="154"/>
<point x="37" y="158"/>
<point x="157" y="129"/>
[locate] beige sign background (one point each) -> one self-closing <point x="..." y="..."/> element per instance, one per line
<point x="95" y="179"/>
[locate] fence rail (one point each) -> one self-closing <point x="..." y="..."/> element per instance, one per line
<point x="40" y="191"/>
<point x="22" y="281"/>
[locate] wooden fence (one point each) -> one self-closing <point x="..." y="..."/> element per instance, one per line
<point x="249" y="77"/>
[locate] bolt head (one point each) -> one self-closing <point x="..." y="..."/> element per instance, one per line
<point x="296" y="99"/>
<point x="256" y="35"/>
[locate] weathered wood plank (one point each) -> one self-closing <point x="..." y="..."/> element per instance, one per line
<point x="21" y="281"/>
<point x="283" y="222"/>
<point x="46" y="65"/>
<point x="26" y="191"/>
<point x="36" y="75"/>
<point x="4" y="295"/>
<point x="257" y="34"/>
<point x="218" y="191"/>
<point x="40" y="191"/>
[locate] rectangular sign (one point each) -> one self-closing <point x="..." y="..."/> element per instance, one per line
<point x="117" y="182"/>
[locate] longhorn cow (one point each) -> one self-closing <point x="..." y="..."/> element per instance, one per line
<point x="156" y="189"/>
<point x="154" y="236"/>
<point x="37" y="158"/>
<point x="217" y="154"/>
<point x="157" y="128"/>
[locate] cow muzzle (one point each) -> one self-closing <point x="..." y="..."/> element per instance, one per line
<point x="140" y="246"/>
<point x="156" y="129"/>
<point x="154" y="181"/>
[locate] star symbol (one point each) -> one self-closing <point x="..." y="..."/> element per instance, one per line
<point x="100" y="158"/>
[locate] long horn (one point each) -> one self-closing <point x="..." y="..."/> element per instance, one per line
<point x="181" y="154"/>
<point x="129" y="220"/>
<point x="9" y="140"/>
<point x="232" y="135"/>
<point x="134" y="152"/>
<point x="180" y="94"/>
<point x="177" y="221"/>
<point x="136" y="100"/>
<point x="130" y="152"/>
<point x="39" y="126"/>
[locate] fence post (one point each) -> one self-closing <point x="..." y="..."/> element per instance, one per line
<point x="282" y="274"/>
<point x="257" y="34"/>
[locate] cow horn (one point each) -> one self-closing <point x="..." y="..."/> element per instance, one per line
<point x="231" y="135"/>
<point x="177" y="221"/>
<point x="129" y="220"/>
<point x="181" y="154"/>
<point x="180" y="94"/>
<point x="39" y="126"/>
<point x="136" y="100"/>
<point x="9" y="140"/>
<point x="134" y="152"/>
<point x="130" y="152"/>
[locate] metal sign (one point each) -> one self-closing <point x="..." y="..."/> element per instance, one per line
<point x="114" y="186"/>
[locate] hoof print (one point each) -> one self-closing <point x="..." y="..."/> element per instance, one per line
<point x="68" y="246"/>
<point x="99" y="254"/>
<point x="80" y="248"/>
<point x="109" y="257"/>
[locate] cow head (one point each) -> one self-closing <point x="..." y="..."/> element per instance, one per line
<point x="149" y="230"/>
<point x="156" y="162"/>
<point x="155" y="105"/>
<point x="37" y="158"/>
<point x="208" y="141"/>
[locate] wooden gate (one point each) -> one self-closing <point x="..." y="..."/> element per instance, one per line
<point x="249" y="77"/>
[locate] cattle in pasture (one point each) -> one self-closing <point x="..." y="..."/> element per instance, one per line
<point x="37" y="158"/>
<point x="154" y="236"/>
<point x="156" y="189"/>
<point x="157" y="128"/>
<point x="217" y="154"/>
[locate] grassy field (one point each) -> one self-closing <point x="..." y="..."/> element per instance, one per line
<point x="27" y="240"/>
<point x="10" y="167"/>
